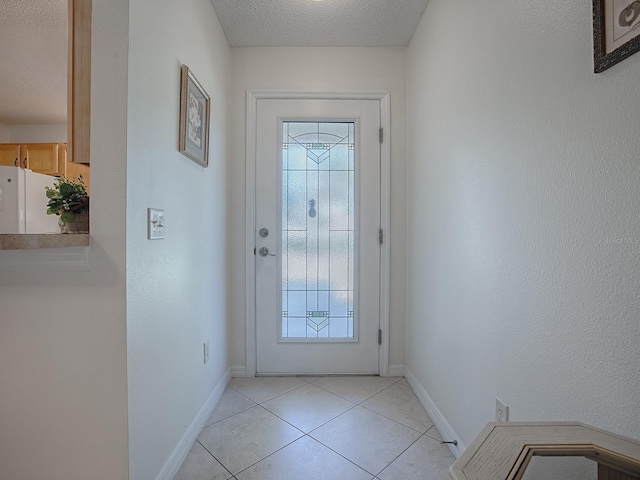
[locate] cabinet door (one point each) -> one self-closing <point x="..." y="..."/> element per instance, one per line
<point x="74" y="170"/>
<point x="10" y="155"/>
<point x="62" y="159"/>
<point x="41" y="157"/>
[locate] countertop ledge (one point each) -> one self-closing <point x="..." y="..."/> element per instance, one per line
<point x="27" y="241"/>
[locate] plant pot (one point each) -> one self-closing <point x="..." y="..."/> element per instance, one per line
<point x="80" y="224"/>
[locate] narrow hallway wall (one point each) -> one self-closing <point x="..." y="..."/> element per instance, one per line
<point x="524" y="226"/>
<point x="176" y="287"/>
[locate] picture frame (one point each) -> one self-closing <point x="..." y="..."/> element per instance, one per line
<point x="195" y="110"/>
<point x="616" y="31"/>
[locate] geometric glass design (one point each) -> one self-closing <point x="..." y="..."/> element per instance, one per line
<point x="318" y="229"/>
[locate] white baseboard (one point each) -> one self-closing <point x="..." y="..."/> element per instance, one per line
<point x="439" y="421"/>
<point x="178" y="455"/>
<point x="396" y="370"/>
<point x="238" y="371"/>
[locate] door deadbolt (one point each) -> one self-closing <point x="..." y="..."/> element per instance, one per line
<point x="264" y="233"/>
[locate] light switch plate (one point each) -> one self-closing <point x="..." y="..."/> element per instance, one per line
<point x="155" y="223"/>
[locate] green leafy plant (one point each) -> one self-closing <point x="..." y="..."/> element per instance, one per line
<point x="67" y="198"/>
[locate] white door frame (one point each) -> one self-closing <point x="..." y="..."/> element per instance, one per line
<point x="253" y="96"/>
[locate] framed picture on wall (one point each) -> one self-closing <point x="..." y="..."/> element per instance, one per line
<point x="194" y="118"/>
<point x="616" y="31"/>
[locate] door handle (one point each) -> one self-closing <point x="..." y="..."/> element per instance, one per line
<point x="264" y="252"/>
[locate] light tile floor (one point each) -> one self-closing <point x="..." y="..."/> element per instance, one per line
<point x="318" y="428"/>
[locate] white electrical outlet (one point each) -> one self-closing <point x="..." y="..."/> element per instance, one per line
<point x="155" y="223"/>
<point x="502" y="411"/>
<point x="206" y="351"/>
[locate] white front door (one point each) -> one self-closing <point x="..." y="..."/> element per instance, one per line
<point x="316" y="236"/>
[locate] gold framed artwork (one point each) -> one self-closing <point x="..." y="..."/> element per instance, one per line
<point x="194" y="118"/>
<point x="616" y="31"/>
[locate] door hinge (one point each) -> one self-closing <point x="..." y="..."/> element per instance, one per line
<point x="381" y="236"/>
<point x="381" y="134"/>
<point x="379" y="337"/>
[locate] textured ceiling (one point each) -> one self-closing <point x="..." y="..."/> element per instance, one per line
<point x="328" y="23"/>
<point x="33" y="40"/>
<point x="33" y="61"/>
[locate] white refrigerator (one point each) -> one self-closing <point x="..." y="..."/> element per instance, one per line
<point x="23" y="202"/>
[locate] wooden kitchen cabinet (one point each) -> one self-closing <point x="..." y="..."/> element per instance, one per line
<point x="39" y="157"/>
<point x="74" y="170"/>
<point x="10" y="155"/>
<point x="62" y="154"/>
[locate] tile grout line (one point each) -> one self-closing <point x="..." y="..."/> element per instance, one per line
<point x="394" y="420"/>
<point x="285" y="421"/>
<point x="273" y="453"/>
<point x="308" y="435"/>
<point x="237" y="413"/>
<point x="373" y="411"/>
<point x="233" y="414"/>
<point x="315" y="440"/>
<point x="238" y="391"/>
<point x="243" y="470"/>
<point x="313" y="383"/>
<point x="340" y="455"/>
<point x="284" y="393"/>
<point x="431" y="436"/>
<point x="401" y="453"/>
<point x="386" y="466"/>
<point x="334" y="418"/>
<point x="360" y="405"/>
<point x="304" y="434"/>
<point x="269" y="399"/>
<point x="345" y="398"/>
<point x="328" y="391"/>
<point x="232" y="475"/>
<point x="256" y="404"/>
<point x="389" y="418"/>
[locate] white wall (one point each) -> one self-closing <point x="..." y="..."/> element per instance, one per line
<point x="319" y="69"/>
<point x="176" y="287"/>
<point x="63" y="390"/>
<point x="37" y="133"/>
<point x="4" y="133"/>
<point x="524" y="233"/>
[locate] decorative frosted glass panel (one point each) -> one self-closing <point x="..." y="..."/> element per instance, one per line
<point x="340" y="158"/>
<point x="339" y="259"/>
<point x="296" y="201"/>
<point x="339" y="205"/>
<point x="318" y="229"/>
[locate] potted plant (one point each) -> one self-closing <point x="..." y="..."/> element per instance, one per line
<point x="69" y="199"/>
